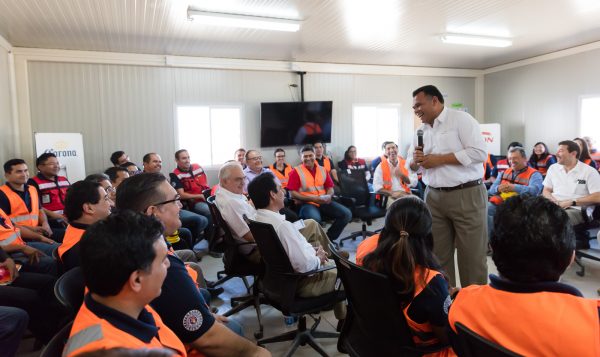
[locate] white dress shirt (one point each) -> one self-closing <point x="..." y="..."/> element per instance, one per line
<point x="233" y="207"/>
<point x="581" y="181"/>
<point x="396" y="184"/>
<point x="454" y="132"/>
<point x="302" y="255"/>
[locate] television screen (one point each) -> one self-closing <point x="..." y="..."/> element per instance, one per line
<point x="294" y="123"/>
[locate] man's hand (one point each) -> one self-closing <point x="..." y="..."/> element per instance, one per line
<point x="9" y="264"/>
<point x="32" y="253"/>
<point x="506" y="187"/>
<point x="46" y="229"/>
<point x="565" y="203"/>
<point x="418" y="155"/>
<point x="221" y="318"/>
<point x="398" y="194"/>
<point x="46" y="240"/>
<point x="323" y="200"/>
<point x="431" y="161"/>
<point x="321" y="254"/>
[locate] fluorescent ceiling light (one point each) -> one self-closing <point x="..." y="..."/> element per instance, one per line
<point x="473" y="40"/>
<point x="245" y="21"/>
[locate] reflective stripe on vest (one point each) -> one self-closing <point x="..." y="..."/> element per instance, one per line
<point x="521" y="179"/>
<point x="8" y="233"/>
<point x="282" y="178"/>
<point x="52" y="193"/>
<point x="386" y="172"/>
<point x="311" y="186"/>
<point x="82" y="338"/>
<point x="194" y="182"/>
<point x="11" y="239"/>
<point x="18" y="210"/>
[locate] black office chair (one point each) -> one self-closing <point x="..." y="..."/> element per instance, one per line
<point x="473" y="345"/>
<point x="69" y="289"/>
<point x="586" y="242"/>
<point x="375" y="324"/>
<point x="55" y="347"/>
<point x="237" y="266"/>
<point x="354" y="185"/>
<point x="280" y="284"/>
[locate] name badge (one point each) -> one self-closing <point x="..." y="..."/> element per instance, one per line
<point x="581" y="182"/>
<point x="46" y="198"/>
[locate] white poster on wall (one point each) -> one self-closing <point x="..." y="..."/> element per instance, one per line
<point x="491" y="136"/>
<point x="68" y="148"/>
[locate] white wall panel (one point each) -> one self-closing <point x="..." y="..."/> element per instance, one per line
<point x="7" y="144"/>
<point x="133" y="107"/>
<point x="540" y="102"/>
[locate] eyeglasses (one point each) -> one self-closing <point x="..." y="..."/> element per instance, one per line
<point x="176" y="199"/>
<point x="254" y="158"/>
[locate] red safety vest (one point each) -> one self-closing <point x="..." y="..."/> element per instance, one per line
<point x="194" y="181"/>
<point x="19" y="213"/>
<point x="53" y="193"/>
<point x="91" y="333"/>
<point x="283" y="178"/>
<point x="311" y="186"/>
<point x="542" y="165"/>
<point x="422" y="332"/>
<point x="72" y="236"/>
<point x="530" y="324"/>
<point x="9" y="234"/>
<point x="386" y="172"/>
<point x="520" y="179"/>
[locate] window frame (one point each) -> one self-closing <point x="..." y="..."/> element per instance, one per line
<point x="397" y="106"/>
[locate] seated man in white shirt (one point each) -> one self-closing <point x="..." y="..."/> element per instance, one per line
<point x="391" y="177"/>
<point x="571" y="184"/>
<point x="233" y="206"/>
<point x="267" y="195"/>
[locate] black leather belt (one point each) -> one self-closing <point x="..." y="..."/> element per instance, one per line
<point x="459" y="187"/>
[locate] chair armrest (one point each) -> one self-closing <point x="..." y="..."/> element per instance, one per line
<point x="349" y="202"/>
<point x="312" y="272"/>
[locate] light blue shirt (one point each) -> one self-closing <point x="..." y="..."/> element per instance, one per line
<point x="250" y="175"/>
<point x="534" y="188"/>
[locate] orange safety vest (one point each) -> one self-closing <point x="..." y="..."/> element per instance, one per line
<point x="282" y="178"/>
<point x="193" y="181"/>
<point x="387" y="174"/>
<point x="311" y="186"/>
<point x="520" y="179"/>
<point x="72" y="236"/>
<point x="541" y="323"/>
<point x="91" y="333"/>
<point x="53" y="193"/>
<point x="365" y="247"/>
<point x="487" y="164"/>
<point x="9" y="234"/>
<point x="542" y="165"/>
<point x="326" y="163"/>
<point x="19" y="213"/>
<point x="422" y="332"/>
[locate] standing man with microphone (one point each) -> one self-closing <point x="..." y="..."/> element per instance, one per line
<point x="449" y="152"/>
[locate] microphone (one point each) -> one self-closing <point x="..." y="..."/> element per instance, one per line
<point x="420" y="138"/>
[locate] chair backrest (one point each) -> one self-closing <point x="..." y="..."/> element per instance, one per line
<point x="222" y="233"/>
<point x="55" y="347"/>
<point x="353" y="184"/>
<point x="276" y="285"/>
<point x="473" y="345"/>
<point x="371" y="297"/>
<point x="69" y="289"/>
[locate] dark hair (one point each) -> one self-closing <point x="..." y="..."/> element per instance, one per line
<point x="385" y="143"/>
<point x="148" y="156"/>
<point x="533" y="159"/>
<point x="114" y="248"/>
<point x="307" y="148"/>
<point x="430" y="91"/>
<point x="43" y="158"/>
<point x="571" y="146"/>
<point x="585" y="151"/>
<point x="318" y="142"/>
<point x="79" y="193"/>
<point x="278" y="150"/>
<point x="405" y="244"/>
<point x="347" y="152"/>
<point x="179" y="152"/>
<point x="248" y="153"/>
<point x="114" y="157"/>
<point x="140" y="191"/>
<point x="127" y="164"/>
<point x="259" y="189"/>
<point x="532" y="239"/>
<point x="113" y="172"/>
<point x="12" y="162"/>
<point x="520" y="150"/>
<point x="97" y="178"/>
<point x="240" y="149"/>
<point x="514" y="144"/>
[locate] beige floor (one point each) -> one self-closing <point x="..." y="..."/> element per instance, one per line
<point x="273" y="320"/>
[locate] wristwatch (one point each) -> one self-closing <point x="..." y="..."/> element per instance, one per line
<point x="574" y="203"/>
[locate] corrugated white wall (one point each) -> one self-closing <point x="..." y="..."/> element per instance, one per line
<point x="133" y="107"/>
<point x="540" y="102"/>
<point x="7" y="144"/>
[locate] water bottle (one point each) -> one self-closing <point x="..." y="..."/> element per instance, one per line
<point x="289" y="320"/>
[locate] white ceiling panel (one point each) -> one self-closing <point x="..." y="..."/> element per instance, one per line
<point x="384" y="32"/>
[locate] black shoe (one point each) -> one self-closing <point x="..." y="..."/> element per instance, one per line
<point x="214" y="292"/>
<point x="215" y="254"/>
<point x="340" y="325"/>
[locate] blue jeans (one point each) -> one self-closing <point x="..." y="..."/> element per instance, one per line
<point x="340" y="213"/>
<point x="46" y="248"/>
<point x="202" y="209"/>
<point x="46" y="264"/>
<point x="194" y="222"/>
<point x="13" y="322"/>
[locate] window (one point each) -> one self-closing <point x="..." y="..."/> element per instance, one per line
<point x="372" y="125"/>
<point x="590" y="112"/>
<point x="211" y="134"/>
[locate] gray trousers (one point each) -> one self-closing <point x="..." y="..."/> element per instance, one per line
<point x="460" y="222"/>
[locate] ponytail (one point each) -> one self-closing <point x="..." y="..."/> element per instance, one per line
<point x="403" y="264"/>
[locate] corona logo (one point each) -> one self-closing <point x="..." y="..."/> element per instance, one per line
<point x="62" y="153"/>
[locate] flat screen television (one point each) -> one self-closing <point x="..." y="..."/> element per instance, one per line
<point x="294" y="123"/>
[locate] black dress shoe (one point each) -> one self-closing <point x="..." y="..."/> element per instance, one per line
<point x="214" y="292"/>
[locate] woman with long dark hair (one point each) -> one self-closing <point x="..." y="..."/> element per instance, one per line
<point x="540" y="158"/>
<point x="585" y="153"/>
<point x="404" y="253"/>
<point x="353" y="162"/>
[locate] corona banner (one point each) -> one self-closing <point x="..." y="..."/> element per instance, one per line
<point x="68" y="148"/>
